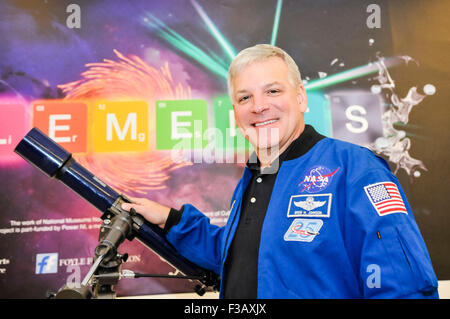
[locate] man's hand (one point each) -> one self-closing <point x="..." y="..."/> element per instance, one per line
<point x="152" y="211"/>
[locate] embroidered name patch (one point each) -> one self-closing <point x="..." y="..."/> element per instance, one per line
<point x="313" y="205"/>
<point x="303" y="230"/>
<point x="385" y="198"/>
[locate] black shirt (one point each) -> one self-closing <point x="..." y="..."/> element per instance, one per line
<point x="240" y="273"/>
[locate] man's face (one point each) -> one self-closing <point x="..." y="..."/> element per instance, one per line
<point x="268" y="110"/>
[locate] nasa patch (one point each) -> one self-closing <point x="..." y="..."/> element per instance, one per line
<point x="303" y="230"/>
<point x="317" y="179"/>
<point x="312" y="205"/>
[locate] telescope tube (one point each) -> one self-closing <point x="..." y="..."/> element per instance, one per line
<point x="55" y="162"/>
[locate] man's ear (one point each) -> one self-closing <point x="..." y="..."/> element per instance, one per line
<point x="238" y="123"/>
<point x="234" y="114"/>
<point x="302" y="99"/>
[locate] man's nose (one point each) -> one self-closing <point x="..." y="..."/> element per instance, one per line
<point x="259" y="105"/>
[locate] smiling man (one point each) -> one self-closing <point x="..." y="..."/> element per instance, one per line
<point x="269" y="103"/>
<point x="311" y="217"/>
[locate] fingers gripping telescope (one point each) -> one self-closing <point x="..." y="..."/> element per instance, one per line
<point x="54" y="161"/>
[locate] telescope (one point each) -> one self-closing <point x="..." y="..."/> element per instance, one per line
<point x="54" y="161"/>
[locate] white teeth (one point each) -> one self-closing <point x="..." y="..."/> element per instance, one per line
<point x="264" y="123"/>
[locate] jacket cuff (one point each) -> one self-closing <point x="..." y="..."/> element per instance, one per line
<point x="173" y="218"/>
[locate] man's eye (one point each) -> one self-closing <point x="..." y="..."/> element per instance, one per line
<point x="273" y="91"/>
<point x="244" y="98"/>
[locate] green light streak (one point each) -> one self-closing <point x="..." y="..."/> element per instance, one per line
<point x="338" y="78"/>
<point x="185" y="46"/>
<point x="407" y="125"/>
<point x="215" y="64"/>
<point x="348" y="75"/>
<point x="276" y="22"/>
<point x="226" y="46"/>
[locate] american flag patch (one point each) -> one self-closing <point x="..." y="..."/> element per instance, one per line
<point x="385" y="198"/>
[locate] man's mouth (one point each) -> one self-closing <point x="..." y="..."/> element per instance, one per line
<point x="265" y="122"/>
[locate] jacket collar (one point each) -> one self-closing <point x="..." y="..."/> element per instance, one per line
<point x="300" y="146"/>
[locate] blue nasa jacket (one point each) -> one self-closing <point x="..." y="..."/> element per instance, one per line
<point x="338" y="225"/>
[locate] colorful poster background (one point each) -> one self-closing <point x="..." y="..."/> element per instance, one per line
<point x="93" y="72"/>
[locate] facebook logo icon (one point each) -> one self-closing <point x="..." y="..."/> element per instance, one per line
<point x="47" y="263"/>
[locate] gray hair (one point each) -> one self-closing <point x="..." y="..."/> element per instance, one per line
<point x="261" y="52"/>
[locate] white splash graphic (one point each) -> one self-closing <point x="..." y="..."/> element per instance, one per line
<point x="429" y="89"/>
<point x="394" y="144"/>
